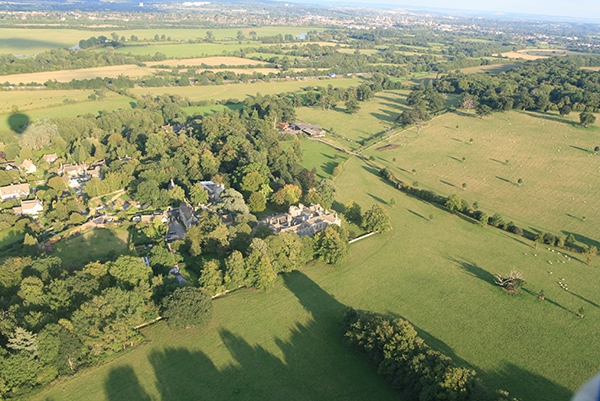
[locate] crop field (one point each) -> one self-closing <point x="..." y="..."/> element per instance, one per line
<point x="19" y="41"/>
<point x="184" y="50"/>
<point x="552" y="155"/>
<point x="241" y="91"/>
<point x="132" y="71"/>
<point x="291" y="332"/>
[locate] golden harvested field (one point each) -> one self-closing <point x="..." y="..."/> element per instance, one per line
<point x="83" y="73"/>
<point x="524" y="56"/>
<point x="132" y="71"/>
<point x="212" y="61"/>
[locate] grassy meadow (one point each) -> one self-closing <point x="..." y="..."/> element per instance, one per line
<point x="19" y="41"/>
<point x="241" y="91"/>
<point x="553" y="156"/>
<point x="432" y="273"/>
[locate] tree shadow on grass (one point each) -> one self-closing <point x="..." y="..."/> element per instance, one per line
<point x="448" y="183"/>
<point x="527" y="385"/>
<point x="378" y="199"/>
<point x="582" y="149"/>
<point x="584" y="299"/>
<point x="122" y="384"/>
<point x="474" y="270"/>
<point x="549" y="300"/>
<point x="294" y="372"/>
<point x="583" y="239"/>
<point x="550" y="117"/>
<point x="504" y="179"/>
<point x="418" y="215"/>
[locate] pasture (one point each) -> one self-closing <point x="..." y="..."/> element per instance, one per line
<point x="438" y="275"/>
<point x="210" y="61"/>
<point x="374" y="118"/>
<point x="552" y="155"/>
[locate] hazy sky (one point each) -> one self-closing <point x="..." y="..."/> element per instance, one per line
<point x="566" y="8"/>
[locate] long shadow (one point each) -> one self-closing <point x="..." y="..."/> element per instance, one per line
<point x="551" y="118"/>
<point x="448" y="183"/>
<point x="503" y="179"/>
<point x="574" y="217"/>
<point x="418" y="215"/>
<point x="456" y="139"/>
<point x="455" y="158"/>
<point x="463" y="114"/>
<point x="583" y="239"/>
<point x="497" y="161"/>
<point x="327" y="156"/>
<point x="378" y="199"/>
<point x="18" y="122"/>
<point x="526" y="385"/>
<point x="584" y="299"/>
<point x="474" y="270"/>
<point x="518" y="240"/>
<point x="122" y="384"/>
<point x="582" y="149"/>
<point x="549" y="300"/>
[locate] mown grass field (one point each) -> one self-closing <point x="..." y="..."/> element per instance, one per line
<point x="241" y="91"/>
<point x="90" y="245"/>
<point x="438" y="275"/>
<point x="20" y="41"/>
<point x="553" y="156"/>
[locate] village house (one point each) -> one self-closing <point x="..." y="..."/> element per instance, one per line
<point x="14" y="191"/>
<point x="72" y="170"/>
<point x="187" y="215"/>
<point x="163" y="217"/>
<point x="302" y="220"/>
<point x="29" y="208"/>
<point x="50" y="158"/>
<point x="214" y="190"/>
<point x="28" y="167"/>
<point x="312" y="130"/>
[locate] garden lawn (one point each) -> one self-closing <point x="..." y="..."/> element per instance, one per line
<point x="321" y="157"/>
<point x="91" y="245"/>
<point x="552" y="155"/>
<point x="438" y="275"/>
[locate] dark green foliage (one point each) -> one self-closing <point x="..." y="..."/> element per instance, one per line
<point x="187" y="307"/>
<point x="331" y="244"/>
<point x="376" y="219"/>
<point x="586" y="119"/>
<point x="408" y="363"/>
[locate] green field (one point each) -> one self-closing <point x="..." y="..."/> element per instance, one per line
<point x="91" y="245"/>
<point x="111" y="102"/>
<point x="184" y="50"/>
<point x="374" y="117"/>
<point x="432" y="273"/>
<point x="31" y="41"/>
<point x="241" y="91"/>
<point x="553" y="156"/>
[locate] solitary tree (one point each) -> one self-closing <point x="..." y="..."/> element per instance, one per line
<point x="511" y="283"/>
<point x="586" y="118"/>
<point x="376" y="219"/>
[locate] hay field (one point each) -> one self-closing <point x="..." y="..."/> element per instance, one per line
<point x="553" y="156"/>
